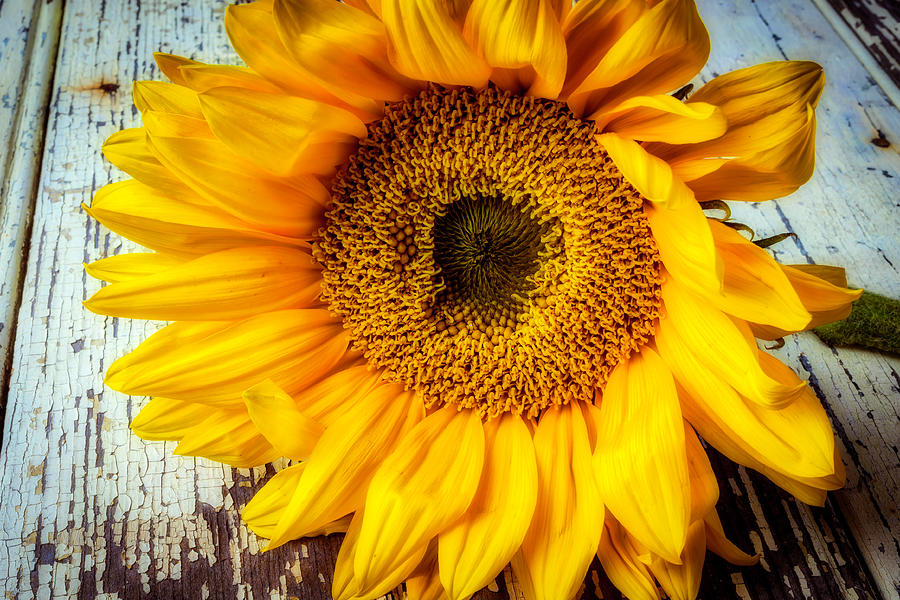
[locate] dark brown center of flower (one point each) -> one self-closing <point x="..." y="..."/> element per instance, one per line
<point x="483" y="249"/>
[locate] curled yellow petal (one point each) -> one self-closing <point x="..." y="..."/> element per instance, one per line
<point x="662" y="117"/>
<point x="682" y="581"/>
<point x="718" y="343"/>
<point x="827" y="301"/>
<point x="755" y="286"/>
<point x="622" y="564"/>
<point x="275" y="414"/>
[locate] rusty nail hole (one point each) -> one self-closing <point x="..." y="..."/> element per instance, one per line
<point x="108" y="88"/>
<point x="881" y="141"/>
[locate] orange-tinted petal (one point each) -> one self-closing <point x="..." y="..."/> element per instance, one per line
<point x="522" y="41"/>
<point x="427" y="44"/>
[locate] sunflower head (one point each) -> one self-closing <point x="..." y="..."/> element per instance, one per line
<point x="452" y="259"/>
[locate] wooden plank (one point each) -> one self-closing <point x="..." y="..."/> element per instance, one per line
<point x="27" y="57"/>
<point x="87" y="510"/>
<point x="876" y="24"/>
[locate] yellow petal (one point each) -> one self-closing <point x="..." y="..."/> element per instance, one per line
<point x="227" y="436"/>
<point x="523" y="37"/>
<point x="717" y="342"/>
<point x="662" y="50"/>
<point x="130" y="151"/>
<point x="201" y="78"/>
<point x="424" y="583"/>
<point x="267" y="505"/>
<point x="755" y="286"/>
<point x="767" y="174"/>
<point x="591" y="28"/>
<point x="680" y="228"/>
<point x="623" y="567"/>
<point x="791" y="439"/>
<point x="124" y="267"/>
<point x="165" y="97"/>
<point x="284" y="206"/>
<point x="346" y="587"/>
<point x="169" y="224"/>
<point x="826" y="301"/>
<point x="682" y="581"/>
<point x="721" y="545"/>
<point x="427" y="44"/>
<point x="230" y="284"/>
<point x="275" y="414"/>
<point x="764" y="104"/>
<point x="662" y="117"/>
<point x="422" y="487"/>
<point x="251" y="29"/>
<point x="474" y="550"/>
<point x="215" y="362"/>
<point x="343" y="47"/>
<point x="167" y="419"/>
<point x="329" y="399"/>
<point x="282" y="134"/>
<point x="158" y="123"/>
<point x="641" y="461"/>
<point x="170" y="65"/>
<point x="344" y="460"/>
<point x="568" y="519"/>
<point x="704" y="488"/>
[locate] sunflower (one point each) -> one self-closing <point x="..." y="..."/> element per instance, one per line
<point x="451" y="259"/>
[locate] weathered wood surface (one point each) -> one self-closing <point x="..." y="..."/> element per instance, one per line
<point x="877" y="25"/>
<point x="89" y="511"/>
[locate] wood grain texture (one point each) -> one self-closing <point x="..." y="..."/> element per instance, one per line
<point x="877" y="25"/>
<point x="29" y="35"/>
<point x="89" y="511"/>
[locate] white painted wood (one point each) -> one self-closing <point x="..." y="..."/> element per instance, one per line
<point x="88" y="509"/>
<point x="27" y="59"/>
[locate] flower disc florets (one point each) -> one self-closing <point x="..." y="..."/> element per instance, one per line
<point x="483" y="248"/>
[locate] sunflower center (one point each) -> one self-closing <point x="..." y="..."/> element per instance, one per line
<point x="483" y="249"/>
<point x="486" y="250"/>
